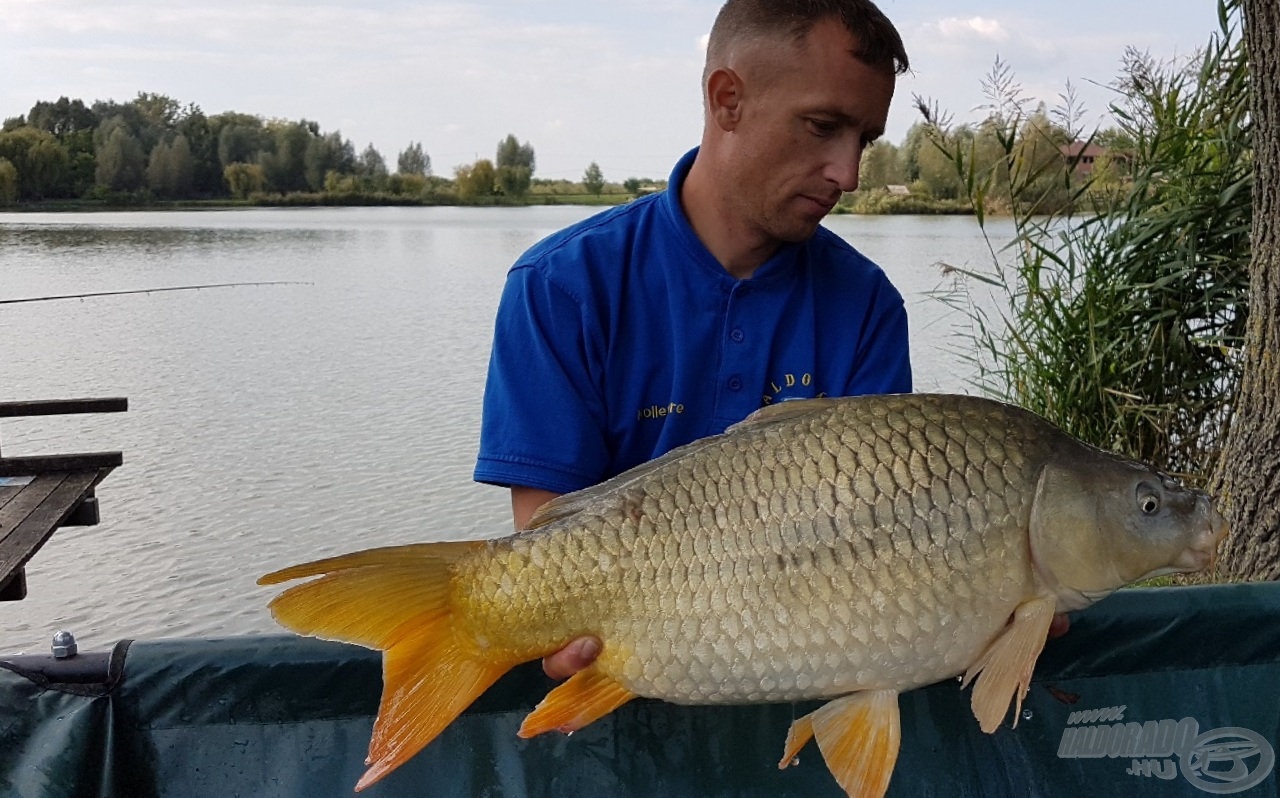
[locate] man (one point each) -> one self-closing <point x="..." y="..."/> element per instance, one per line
<point x="668" y="319"/>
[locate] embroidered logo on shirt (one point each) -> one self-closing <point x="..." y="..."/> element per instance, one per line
<point x="659" y="411"/>
<point x="791" y="386"/>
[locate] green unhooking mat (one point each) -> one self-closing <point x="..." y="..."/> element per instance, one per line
<point x="1164" y="692"/>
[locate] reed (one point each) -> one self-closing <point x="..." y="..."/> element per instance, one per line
<point x="1119" y="308"/>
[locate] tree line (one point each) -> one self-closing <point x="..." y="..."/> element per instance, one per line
<point x="154" y="147"/>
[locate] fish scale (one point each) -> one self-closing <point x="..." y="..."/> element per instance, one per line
<point x="894" y="522"/>
<point x="847" y="549"/>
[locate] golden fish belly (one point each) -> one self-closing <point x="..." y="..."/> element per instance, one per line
<point x="803" y="559"/>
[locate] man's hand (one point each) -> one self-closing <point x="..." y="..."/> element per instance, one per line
<point x="1059" y="625"/>
<point x="572" y="658"/>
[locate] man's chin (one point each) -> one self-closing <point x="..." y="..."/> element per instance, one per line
<point x="800" y="232"/>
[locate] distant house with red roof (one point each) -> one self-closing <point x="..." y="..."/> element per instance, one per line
<point x="1085" y="154"/>
<point x="1082" y="154"/>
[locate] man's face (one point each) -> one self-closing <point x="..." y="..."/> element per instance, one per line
<point x="806" y="118"/>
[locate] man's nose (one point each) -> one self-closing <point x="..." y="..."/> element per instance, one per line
<point x="843" y="169"/>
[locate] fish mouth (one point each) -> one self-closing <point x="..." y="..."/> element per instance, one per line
<point x="1203" y="551"/>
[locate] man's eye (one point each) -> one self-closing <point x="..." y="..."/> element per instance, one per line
<point x="822" y="127"/>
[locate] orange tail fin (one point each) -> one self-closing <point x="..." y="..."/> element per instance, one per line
<point x="396" y="600"/>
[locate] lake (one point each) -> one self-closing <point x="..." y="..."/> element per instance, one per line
<point x="273" y="424"/>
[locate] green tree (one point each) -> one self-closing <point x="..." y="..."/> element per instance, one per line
<point x="241" y="138"/>
<point x="245" y="179"/>
<point x="284" y="159"/>
<point x="41" y="162"/>
<point x="159" y="112"/>
<point x="593" y="179"/>
<point x="206" y="171"/>
<point x="121" y="160"/>
<point x="336" y="182"/>
<point x="414" y="161"/>
<point x="407" y="185"/>
<point x="935" y="174"/>
<point x="8" y="182"/>
<point x="371" y="168"/>
<point x="325" y="154"/>
<point x="476" y="180"/>
<point x="881" y="166"/>
<point x="62" y="118"/>
<point x="515" y="166"/>
<point x="171" y="169"/>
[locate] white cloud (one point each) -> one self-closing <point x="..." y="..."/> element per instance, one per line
<point x="973" y="27"/>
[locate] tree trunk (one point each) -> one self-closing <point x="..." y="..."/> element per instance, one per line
<point x="1248" y="475"/>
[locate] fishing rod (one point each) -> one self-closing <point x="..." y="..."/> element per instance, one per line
<point x="146" y="291"/>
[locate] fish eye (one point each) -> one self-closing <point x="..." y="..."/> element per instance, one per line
<point x="1149" y="503"/>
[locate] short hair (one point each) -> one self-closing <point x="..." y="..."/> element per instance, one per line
<point x="879" y="43"/>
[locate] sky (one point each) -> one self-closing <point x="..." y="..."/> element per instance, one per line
<point x="615" y="82"/>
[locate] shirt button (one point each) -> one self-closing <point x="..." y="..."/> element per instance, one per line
<point x="735" y="383"/>
<point x="737" y="335"/>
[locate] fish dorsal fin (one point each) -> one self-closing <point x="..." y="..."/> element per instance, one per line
<point x="559" y="507"/>
<point x="784" y="411"/>
<point x="564" y="506"/>
<point x="570" y="503"/>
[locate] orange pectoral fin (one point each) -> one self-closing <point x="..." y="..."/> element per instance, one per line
<point x="587" y="696"/>
<point x="1004" y="669"/>
<point x="858" y="736"/>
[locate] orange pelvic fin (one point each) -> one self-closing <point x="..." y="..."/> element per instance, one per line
<point x="859" y="737"/>
<point x="800" y="733"/>
<point x="397" y="600"/>
<point x="586" y="697"/>
<point x="1004" y="669"/>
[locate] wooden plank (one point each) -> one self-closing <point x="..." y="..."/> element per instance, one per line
<point x="7" y="492"/>
<point x="45" y="463"/>
<point x="58" y="407"/>
<point x="31" y="533"/>
<point x="25" y="503"/>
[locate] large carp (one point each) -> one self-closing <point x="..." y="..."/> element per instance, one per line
<point x="848" y="549"/>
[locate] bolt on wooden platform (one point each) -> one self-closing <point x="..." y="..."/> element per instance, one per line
<point x="39" y="493"/>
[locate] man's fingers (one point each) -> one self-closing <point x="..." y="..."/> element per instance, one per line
<point x="572" y="658"/>
<point x="1059" y="625"/>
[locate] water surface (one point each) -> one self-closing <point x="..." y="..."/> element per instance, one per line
<point x="269" y="425"/>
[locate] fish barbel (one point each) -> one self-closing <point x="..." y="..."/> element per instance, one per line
<point x="847" y="549"/>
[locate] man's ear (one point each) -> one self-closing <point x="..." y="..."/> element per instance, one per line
<point x="724" y="98"/>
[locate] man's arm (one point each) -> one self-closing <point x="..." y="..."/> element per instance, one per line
<point x="581" y="652"/>
<point x="524" y="501"/>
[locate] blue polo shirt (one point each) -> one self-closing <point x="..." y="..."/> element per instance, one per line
<point x="622" y="337"/>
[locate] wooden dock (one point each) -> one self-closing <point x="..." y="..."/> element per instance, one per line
<point x="40" y="493"/>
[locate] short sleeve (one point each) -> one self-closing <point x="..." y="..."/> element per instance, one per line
<point x="543" y="415"/>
